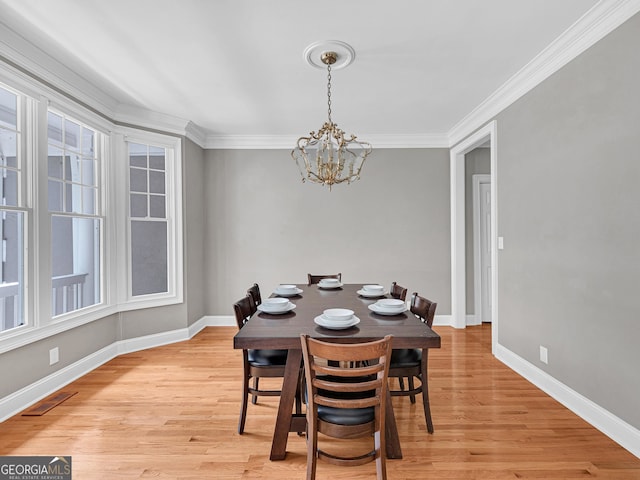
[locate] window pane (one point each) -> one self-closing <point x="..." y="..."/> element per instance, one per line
<point x="8" y="109"/>
<point x="138" y="180"/>
<point x="55" y="196"/>
<point x="54" y="129"/>
<point x="156" y="182"/>
<point x="156" y="158"/>
<point x="148" y="257"/>
<point x="88" y="142"/>
<point x="137" y="155"/>
<point x="71" y="135"/>
<point x="55" y="162"/>
<point x="75" y="245"/>
<point x="11" y="270"/>
<point x="89" y="200"/>
<point x="88" y="172"/>
<point x="8" y="187"/>
<point x="138" y="205"/>
<point x="157" y="206"/>
<point x="8" y="148"/>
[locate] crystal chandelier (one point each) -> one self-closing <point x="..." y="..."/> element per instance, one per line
<point x="328" y="156"/>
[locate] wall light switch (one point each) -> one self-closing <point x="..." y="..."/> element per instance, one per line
<point x="500" y="243"/>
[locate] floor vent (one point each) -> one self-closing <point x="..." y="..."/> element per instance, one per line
<point x="48" y="403"/>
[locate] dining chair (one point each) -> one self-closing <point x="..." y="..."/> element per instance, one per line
<point x="254" y="291"/>
<point x="410" y="363"/>
<point x="396" y="291"/>
<point x="257" y="363"/>
<point x="314" y="279"/>
<point x="345" y="401"/>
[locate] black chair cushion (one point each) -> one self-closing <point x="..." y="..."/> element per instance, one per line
<point x="264" y="358"/>
<point x="406" y="357"/>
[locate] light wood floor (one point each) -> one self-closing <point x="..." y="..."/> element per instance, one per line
<point x="171" y="413"/>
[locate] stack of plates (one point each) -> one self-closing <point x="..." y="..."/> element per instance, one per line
<point x="388" y="306"/>
<point x="337" y="319"/>
<point x="287" y="290"/>
<point x="372" y="291"/>
<point x="329" y="283"/>
<point x="276" y="305"/>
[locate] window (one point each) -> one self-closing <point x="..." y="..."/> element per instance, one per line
<point x="76" y="224"/>
<point x="154" y="218"/>
<point x="148" y="217"/>
<point x="90" y="214"/>
<point x="12" y="214"/>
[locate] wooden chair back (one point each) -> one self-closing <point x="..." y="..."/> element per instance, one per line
<point x="254" y="291"/>
<point x="339" y="379"/>
<point x="423" y="308"/>
<point x="396" y="291"/>
<point x="244" y="310"/>
<point x="314" y="279"/>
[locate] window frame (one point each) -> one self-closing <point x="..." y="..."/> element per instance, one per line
<point x="36" y="98"/>
<point x="173" y="172"/>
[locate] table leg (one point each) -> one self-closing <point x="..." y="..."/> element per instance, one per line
<point x="285" y="407"/>
<point x="391" y="431"/>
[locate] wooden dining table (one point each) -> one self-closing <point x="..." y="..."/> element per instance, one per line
<point x="282" y="331"/>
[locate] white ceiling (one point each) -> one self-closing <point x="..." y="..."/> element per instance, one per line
<point x="235" y="67"/>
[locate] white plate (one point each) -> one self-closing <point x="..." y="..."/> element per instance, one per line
<point x="320" y="320"/>
<point x="290" y="306"/>
<point x="387" y="311"/>
<point x="280" y="294"/>
<point x="347" y="321"/>
<point x="368" y="294"/>
<point x="330" y="287"/>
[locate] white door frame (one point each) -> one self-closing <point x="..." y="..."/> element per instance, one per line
<point x="458" y="235"/>
<point x="477" y="179"/>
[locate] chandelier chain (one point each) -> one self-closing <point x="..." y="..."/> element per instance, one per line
<point x="329" y="90"/>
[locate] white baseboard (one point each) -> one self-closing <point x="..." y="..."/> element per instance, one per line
<point x="615" y="428"/>
<point x="443" y="321"/>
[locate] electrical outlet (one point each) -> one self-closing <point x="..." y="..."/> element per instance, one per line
<point x="544" y="355"/>
<point x="54" y="355"/>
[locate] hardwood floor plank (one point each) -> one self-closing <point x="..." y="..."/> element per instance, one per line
<point x="171" y="413"/>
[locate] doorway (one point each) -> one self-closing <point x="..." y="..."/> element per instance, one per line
<point x="459" y="235"/>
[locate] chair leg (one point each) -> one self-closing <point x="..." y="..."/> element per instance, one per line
<point x="381" y="454"/>
<point x="245" y="397"/>
<point x="411" y="387"/>
<point x="312" y="447"/>
<point x="401" y="382"/>
<point x="425" y="391"/>
<point x="254" y="398"/>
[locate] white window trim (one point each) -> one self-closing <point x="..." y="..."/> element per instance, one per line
<point x="174" y="295"/>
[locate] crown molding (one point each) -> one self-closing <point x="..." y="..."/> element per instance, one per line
<point x="594" y="25"/>
<point x="287" y="142"/>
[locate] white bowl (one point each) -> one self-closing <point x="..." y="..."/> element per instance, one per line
<point x="338" y="314"/>
<point x="373" y="288"/>
<point x="329" y="282"/>
<point x="287" y="288"/>
<point x="390" y="303"/>
<point x="275" y="302"/>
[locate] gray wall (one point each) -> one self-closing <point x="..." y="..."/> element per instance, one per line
<point x="264" y="225"/>
<point x="568" y="196"/>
